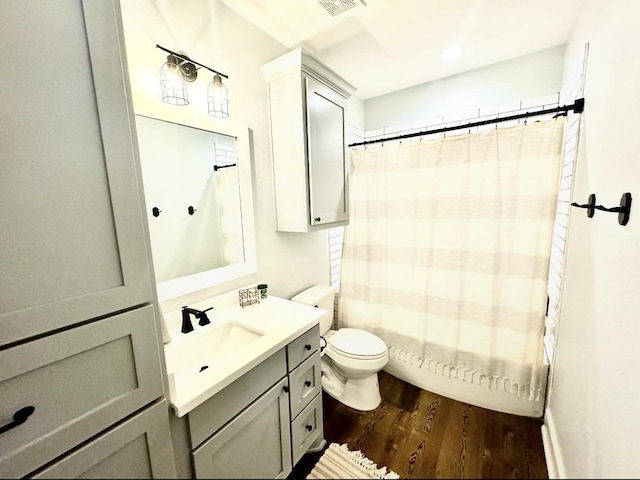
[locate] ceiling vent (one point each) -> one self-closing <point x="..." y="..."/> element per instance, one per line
<point x="336" y="7"/>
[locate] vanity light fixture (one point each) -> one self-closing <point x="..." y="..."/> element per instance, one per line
<point x="179" y="70"/>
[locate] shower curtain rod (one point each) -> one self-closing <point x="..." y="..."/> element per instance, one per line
<point x="577" y="107"/>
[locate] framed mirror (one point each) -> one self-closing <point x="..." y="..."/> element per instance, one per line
<point x="198" y="192"/>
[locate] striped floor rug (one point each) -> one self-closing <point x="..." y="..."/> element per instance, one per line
<point x="338" y="462"/>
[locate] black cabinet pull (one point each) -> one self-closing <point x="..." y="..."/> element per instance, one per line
<point x="307" y="383"/>
<point x="286" y="389"/>
<point x="307" y="347"/>
<point x="309" y="427"/>
<point x="317" y="219"/>
<point x="19" y="418"/>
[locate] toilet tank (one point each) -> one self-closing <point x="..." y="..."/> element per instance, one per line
<point x="320" y="296"/>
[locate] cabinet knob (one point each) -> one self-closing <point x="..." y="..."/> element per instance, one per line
<point x="307" y="346"/>
<point x="309" y="427"/>
<point x="307" y="383"/>
<point x="317" y="219"/>
<point x="285" y="389"/>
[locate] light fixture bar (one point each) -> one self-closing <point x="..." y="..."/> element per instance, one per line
<point x="190" y="60"/>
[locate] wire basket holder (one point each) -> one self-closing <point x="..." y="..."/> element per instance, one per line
<point x="248" y="296"/>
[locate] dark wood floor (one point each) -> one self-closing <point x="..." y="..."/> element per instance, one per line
<point x="419" y="434"/>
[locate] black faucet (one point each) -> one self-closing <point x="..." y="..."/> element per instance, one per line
<point x="203" y="319"/>
<point x="187" y="326"/>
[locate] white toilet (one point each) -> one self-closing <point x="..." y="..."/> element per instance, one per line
<point x="352" y="357"/>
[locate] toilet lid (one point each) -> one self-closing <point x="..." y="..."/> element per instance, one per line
<point x="355" y="342"/>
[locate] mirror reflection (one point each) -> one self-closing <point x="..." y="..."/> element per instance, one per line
<point x="192" y="192"/>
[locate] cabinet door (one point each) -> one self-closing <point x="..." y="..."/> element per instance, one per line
<point x="256" y="444"/>
<point x="326" y="144"/>
<point x="73" y="244"/>
<point x="138" y="448"/>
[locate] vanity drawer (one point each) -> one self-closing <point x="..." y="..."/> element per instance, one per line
<point x="304" y="384"/>
<point x="140" y="447"/>
<point x="79" y="382"/>
<point x="213" y="414"/>
<point x="303" y="347"/>
<point x="306" y="428"/>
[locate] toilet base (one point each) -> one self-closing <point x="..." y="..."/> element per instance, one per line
<point x="359" y="393"/>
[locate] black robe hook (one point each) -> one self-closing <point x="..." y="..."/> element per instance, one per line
<point x="591" y="206"/>
<point x="624" y="210"/>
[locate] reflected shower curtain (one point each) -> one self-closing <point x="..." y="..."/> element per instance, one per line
<point x="230" y="215"/>
<point x="446" y="255"/>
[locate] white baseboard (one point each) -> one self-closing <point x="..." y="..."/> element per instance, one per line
<point x="555" y="466"/>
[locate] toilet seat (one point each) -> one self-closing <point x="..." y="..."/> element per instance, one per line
<point x="357" y="344"/>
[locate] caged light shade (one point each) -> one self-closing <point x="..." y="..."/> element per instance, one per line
<point x="217" y="98"/>
<point x="173" y="83"/>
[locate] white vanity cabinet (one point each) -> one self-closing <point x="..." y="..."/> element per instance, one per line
<point x="79" y="342"/>
<point x="260" y="425"/>
<point x="307" y="108"/>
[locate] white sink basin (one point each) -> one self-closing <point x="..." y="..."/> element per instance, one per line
<point x="204" y="362"/>
<point x="201" y="351"/>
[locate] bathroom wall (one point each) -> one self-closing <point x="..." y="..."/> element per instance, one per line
<point x="525" y="77"/>
<point x="287" y="262"/>
<point x="594" y="403"/>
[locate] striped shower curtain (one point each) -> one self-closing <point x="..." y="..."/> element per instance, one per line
<point x="446" y="256"/>
<point x="230" y="215"/>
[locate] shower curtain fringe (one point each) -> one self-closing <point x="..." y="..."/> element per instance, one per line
<point x="463" y="374"/>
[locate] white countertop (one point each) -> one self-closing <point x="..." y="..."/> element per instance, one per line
<point x="281" y="321"/>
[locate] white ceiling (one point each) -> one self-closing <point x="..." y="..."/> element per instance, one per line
<point x="381" y="46"/>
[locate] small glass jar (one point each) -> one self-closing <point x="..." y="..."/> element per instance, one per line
<point x="262" y="291"/>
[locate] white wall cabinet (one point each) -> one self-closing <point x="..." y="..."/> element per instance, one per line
<point x="274" y="411"/>
<point x="307" y="108"/>
<point x="79" y="341"/>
